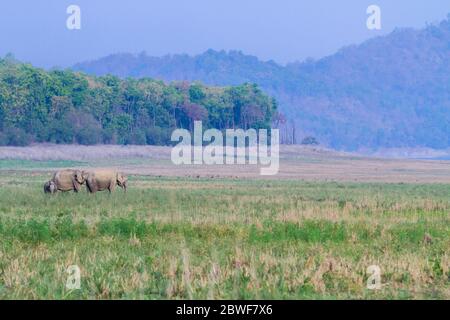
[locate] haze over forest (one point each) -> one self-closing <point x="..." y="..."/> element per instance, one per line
<point x="389" y="91"/>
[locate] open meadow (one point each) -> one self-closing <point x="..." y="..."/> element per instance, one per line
<point x="225" y="232"/>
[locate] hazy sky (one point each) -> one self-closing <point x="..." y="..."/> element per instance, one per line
<point x="282" y="30"/>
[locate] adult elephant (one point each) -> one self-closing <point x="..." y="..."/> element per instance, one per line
<point x="100" y="180"/>
<point x="68" y="180"/>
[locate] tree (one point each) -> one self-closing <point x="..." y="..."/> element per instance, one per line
<point x="69" y="107"/>
<point x="194" y="112"/>
<point x="59" y="106"/>
<point x="196" y="93"/>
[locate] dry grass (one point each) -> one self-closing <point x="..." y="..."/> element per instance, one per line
<point x="222" y="237"/>
<point x="204" y="238"/>
<point x="296" y="162"/>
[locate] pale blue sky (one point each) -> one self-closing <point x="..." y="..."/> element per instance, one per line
<point x="282" y="30"/>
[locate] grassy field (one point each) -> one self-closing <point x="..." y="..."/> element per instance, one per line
<point x="180" y="237"/>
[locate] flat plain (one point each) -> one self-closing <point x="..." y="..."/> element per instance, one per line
<point x="225" y="232"/>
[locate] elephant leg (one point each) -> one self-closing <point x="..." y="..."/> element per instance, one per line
<point x="76" y="186"/>
<point x="88" y="188"/>
<point x="111" y="186"/>
<point x="91" y="186"/>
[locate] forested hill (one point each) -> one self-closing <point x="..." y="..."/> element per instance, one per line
<point x="391" y="91"/>
<point x="212" y="67"/>
<point x="69" y="107"/>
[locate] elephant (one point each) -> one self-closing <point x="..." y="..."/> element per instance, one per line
<point x="68" y="180"/>
<point x="50" y="187"/>
<point x="100" y="180"/>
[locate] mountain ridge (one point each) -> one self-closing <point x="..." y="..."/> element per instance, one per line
<point x="389" y="91"/>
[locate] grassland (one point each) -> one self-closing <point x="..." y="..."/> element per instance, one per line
<point x="223" y="232"/>
<point x="223" y="238"/>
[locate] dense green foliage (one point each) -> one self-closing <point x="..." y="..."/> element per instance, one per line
<point x="390" y="91"/>
<point x="68" y="107"/>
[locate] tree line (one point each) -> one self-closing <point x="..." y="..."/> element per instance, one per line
<point x="62" y="106"/>
<point x="387" y="92"/>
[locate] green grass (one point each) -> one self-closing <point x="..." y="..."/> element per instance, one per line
<point x="217" y="238"/>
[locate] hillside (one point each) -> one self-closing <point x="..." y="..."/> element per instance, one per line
<point x="68" y="107"/>
<point x="391" y="91"/>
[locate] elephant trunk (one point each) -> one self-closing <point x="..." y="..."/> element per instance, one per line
<point x="124" y="186"/>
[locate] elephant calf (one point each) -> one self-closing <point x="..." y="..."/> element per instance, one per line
<point x="66" y="180"/>
<point x="100" y="180"/>
<point x="50" y="187"/>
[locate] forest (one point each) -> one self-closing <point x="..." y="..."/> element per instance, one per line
<point x="389" y="91"/>
<point x="63" y="106"/>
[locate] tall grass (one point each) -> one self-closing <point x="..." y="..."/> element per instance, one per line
<point x="45" y="152"/>
<point x="225" y="239"/>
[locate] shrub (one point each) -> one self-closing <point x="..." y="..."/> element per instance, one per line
<point x="310" y="141"/>
<point x="137" y="137"/>
<point x="3" y="139"/>
<point x="158" y="136"/>
<point x="16" y="137"/>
